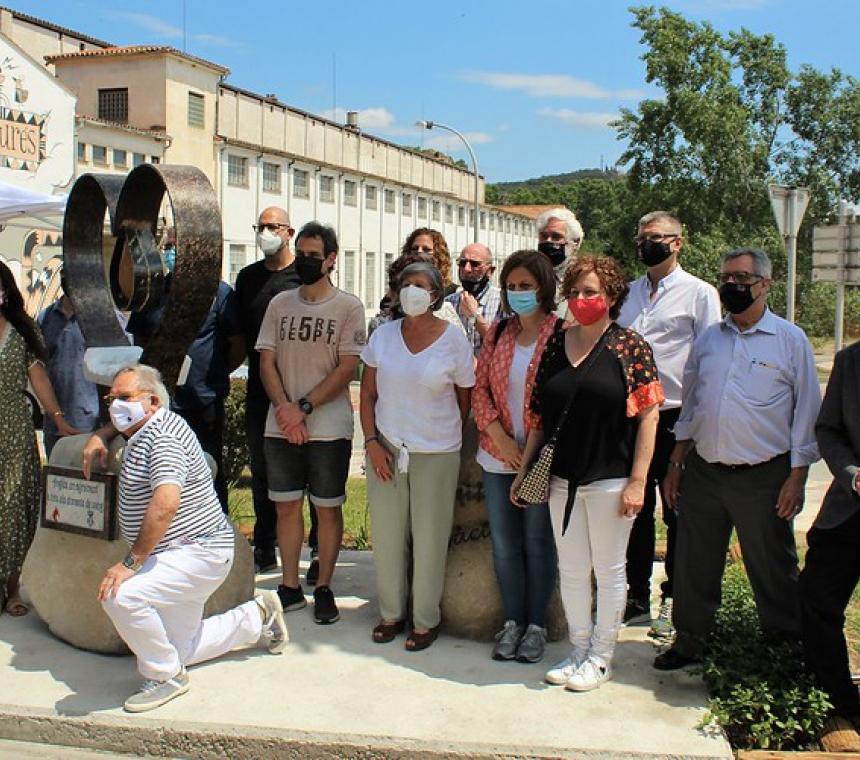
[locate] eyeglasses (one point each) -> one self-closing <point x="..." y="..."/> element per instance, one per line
<point x="556" y="237"/>
<point x="420" y="249"/>
<point x="110" y="398"/>
<point x="472" y="263"/>
<point x="656" y="237"/>
<point x="273" y="227"/>
<point x="741" y="278"/>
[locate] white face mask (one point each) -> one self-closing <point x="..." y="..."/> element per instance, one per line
<point x="269" y="242"/>
<point x="126" y="414"/>
<point x="414" y="300"/>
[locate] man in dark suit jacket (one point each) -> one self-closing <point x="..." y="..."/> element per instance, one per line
<point x="833" y="561"/>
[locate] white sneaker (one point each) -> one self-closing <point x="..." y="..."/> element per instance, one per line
<point x="591" y="674"/>
<point x="275" y="632"/>
<point x="560" y="673"/>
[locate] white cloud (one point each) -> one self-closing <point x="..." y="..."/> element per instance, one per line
<point x="579" y="119"/>
<point x="379" y="119"/>
<point x="451" y="143"/>
<point x="547" y="85"/>
<point x="170" y="31"/>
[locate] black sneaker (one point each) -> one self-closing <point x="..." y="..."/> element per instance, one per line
<point x="672" y="659"/>
<point x="292" y="599"/>
<point x="264" y="560"/>
<point x="637" y="612"/>
<point x="325" y="610"/>
<point x="313" y="573"/>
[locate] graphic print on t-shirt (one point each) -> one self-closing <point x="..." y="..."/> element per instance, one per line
<point x="308" y="329"/>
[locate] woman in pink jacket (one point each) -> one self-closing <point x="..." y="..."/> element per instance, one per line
<point x="523" y="548"/>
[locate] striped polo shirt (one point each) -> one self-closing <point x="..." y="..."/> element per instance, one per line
<point x="165" y="450"/>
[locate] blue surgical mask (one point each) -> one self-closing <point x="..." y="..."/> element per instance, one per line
<point x="170" y="259"/>
<point x="523" y="302"/>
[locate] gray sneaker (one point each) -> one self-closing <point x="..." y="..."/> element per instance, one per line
<point x="275" y="634"/>
<point x="532" y="644"/>
<point x="507" y="641"/>
<point x="154" y="694"/>
<point x="662" y="627"/>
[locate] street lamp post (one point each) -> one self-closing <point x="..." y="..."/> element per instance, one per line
<point x="431" y="125"/>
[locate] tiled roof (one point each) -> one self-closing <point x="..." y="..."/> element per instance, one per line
<point x="156" y="133"/>
<point x="133" y="50"/>
<point x="55" y="28"/>
<point x="532" y="211"/>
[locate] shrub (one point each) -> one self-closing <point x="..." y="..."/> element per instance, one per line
<point x="760" y="693"/>
<point x="235" y="445"/>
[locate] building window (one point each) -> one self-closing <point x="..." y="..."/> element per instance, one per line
<point x="348" y="270"/>
<point x="155" y="160"/>
<point x="422" y="207"/>
<point x="120" y="158"/>
<point x="271" y="178"/>
<point x="483" y="220"/>
<point x="449" y="213"/>
<point x="407" y="204"/>
<point x="300" y="184"/>
<point x="326" y="188"/>
<point x="507" y="224"/>
<point x="350" y="193"/>
<point x="389" y="260"/>
<point x="389" y="201"/>
<point x="237" y="170"/>
<point x="461" y="216"/>
<point x="113" y="104"/>
<point x="82" y="152"/>
<point x="471" y="217"/>
<point x="137" y="159"/>
<point x="236" y="261"/>
<point x="100" y="155"/>
<point x="492" y="222"/>
<point x="196" y="113"/>
<point x="370" y="280"/>
<point x="370" y="198"/>
<point x="437" y="211"/>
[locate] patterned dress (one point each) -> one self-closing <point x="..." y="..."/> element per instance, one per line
<point x="20" y="485"/>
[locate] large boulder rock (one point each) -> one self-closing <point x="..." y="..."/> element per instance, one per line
<point x="63" y="571"/>
<point x="471" y="603"/>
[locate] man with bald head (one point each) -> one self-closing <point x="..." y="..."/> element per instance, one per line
<point x="256" y="285"/>
<point x="479" y="303"/>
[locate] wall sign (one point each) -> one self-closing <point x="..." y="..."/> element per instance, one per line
<point x="74" y="504"/>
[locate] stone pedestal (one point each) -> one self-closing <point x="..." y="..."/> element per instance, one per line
<point x="63" y="571"/>
<point x="471" y="604"/>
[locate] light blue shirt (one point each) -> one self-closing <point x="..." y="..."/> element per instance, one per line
<point x="749" y="396"/>
<point x="681" y="309"/>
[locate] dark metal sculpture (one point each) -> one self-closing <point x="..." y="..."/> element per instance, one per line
<point x="137" y="274"/>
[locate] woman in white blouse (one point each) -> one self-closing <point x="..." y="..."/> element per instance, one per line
<point x="414" y="398"/>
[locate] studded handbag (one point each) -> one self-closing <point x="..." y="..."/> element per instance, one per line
<point x="534" y="487"/>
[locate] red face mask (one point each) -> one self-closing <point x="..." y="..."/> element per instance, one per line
<point x="587" y="311"/>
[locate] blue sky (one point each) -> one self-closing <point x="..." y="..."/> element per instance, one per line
<point x="531" y="84"/>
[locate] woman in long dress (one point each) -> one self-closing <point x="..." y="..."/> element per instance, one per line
<point x="22" y="357"/>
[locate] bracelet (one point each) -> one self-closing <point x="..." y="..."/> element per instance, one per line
<point x="677" y="465"/>
<point x="58" y="413"/>
<point x="369" y="439"/>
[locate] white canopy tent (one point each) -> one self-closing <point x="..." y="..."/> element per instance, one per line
<point x="17" y="202"/>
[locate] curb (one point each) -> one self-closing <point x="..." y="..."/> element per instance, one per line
<point x="141" y="736"/>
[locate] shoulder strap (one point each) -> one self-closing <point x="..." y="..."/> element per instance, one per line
<point x="500" y="328"/>
<point x="589" y="362"/>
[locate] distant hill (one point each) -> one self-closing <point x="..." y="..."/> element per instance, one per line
<point x="559" y="179"/>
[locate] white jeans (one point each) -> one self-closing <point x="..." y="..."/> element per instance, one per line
<point x="159" y="611"/>
<point x="596" y="538"/>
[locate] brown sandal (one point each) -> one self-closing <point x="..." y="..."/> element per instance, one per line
<point x="418" y="641"/>
<point x="385" y="632"/>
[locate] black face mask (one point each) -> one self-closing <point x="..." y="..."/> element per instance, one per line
<point x="309" y="269"/>
<point x="553" y="251"/>
<point x="736" y="298"/>
<point x="474" y="287"/>
<point x="652" y="253"/>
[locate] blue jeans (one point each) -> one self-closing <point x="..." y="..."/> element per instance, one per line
<point x="523" y="552"/>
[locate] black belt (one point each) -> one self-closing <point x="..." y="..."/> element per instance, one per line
<point x="745" y="466"/>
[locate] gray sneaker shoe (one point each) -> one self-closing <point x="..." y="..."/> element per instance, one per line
<point x="507" y="641"/>
<point x="275" y="634"/>
<point x="662" y="627"/>
<point x="154" y="694"/>
<point x="532" y="644"/>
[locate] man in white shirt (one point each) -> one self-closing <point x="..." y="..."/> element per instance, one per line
<point x="670" y="309"/>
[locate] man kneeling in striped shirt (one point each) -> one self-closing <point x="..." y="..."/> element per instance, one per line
<point x="181" y="546"/>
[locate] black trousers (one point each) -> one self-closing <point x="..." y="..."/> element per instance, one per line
<point x="265" y="535"/>
<point x="208" y="425"/>
<point x="714" y="499"/>
<point x="640" y="548"/>
<point x="829" y="576"/>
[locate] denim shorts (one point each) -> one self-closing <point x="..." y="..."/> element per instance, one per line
<point x="318" y="468"/>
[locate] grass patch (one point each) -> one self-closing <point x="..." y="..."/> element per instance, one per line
<point x="356" y="520"/>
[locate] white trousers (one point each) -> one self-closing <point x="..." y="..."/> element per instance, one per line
<point x="596" y="539"/>
<point x="159" y="611"/>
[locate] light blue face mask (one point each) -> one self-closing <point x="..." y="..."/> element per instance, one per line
<point x="523" y="302"/>
<point x="169" y="259"/>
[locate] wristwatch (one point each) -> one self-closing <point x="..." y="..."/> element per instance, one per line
<point x="306" y="406"/>
<point x="131" y="562"/>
